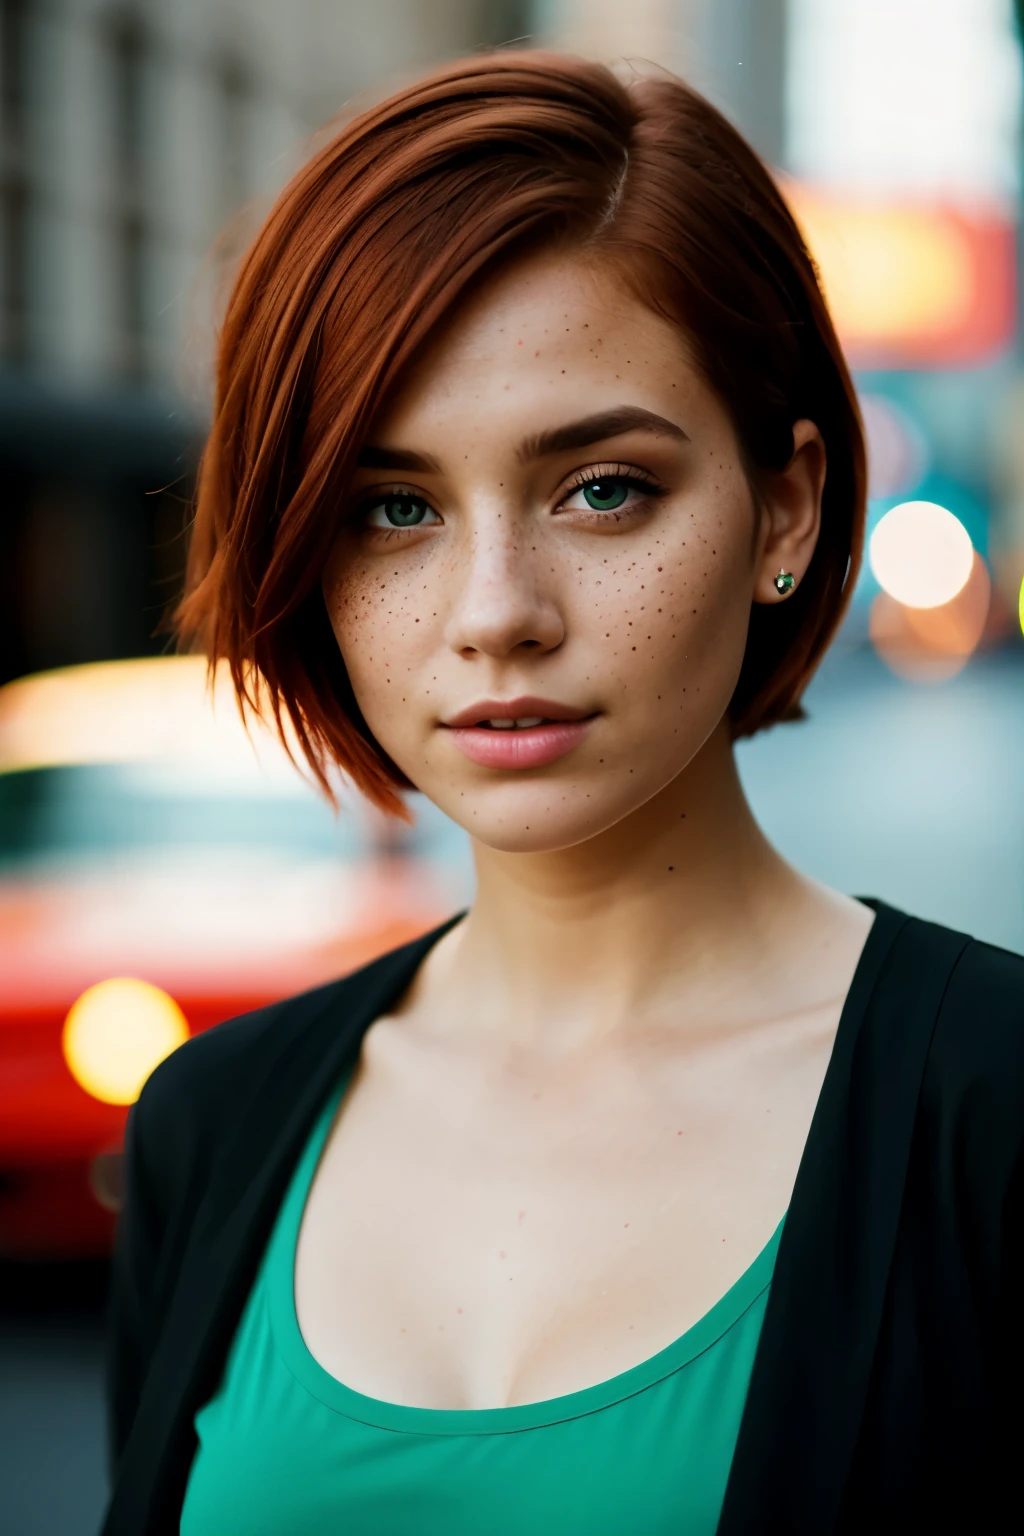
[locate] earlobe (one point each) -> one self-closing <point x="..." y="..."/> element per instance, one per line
<point x="792" y="506"/>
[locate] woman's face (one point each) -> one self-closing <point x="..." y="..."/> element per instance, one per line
<point x="543" y="583"/>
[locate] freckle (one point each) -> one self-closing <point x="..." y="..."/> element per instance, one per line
<point x="671" y="868"/>
<point x="625" y="1223"/>
<point x="502" y="1254"/>
<point x="402" y="1330"/>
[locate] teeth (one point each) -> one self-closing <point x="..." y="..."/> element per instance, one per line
<point x="501" y="725"/>
<point x="519" y="725"/>
<point x="529" y="720"/>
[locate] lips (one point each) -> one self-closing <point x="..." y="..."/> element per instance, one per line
<point x="517" y="733"/>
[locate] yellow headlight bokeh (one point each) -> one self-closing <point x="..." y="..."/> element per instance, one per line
<point x="921" y="554"/>
<point x="116" y="1033"/>
<point x="1020" y="605"/>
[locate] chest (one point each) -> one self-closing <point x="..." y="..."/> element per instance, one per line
<point x="475" y="1240"/>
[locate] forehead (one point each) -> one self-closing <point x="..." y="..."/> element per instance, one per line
<point x="554" y="332"/>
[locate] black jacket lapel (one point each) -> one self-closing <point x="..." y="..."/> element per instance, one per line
<point x="811" y="1373"/>
<point x="230" y="1233"/>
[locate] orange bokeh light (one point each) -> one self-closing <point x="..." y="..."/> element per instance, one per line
<point x="911" y="285"/>
<point x="928" y="645"/>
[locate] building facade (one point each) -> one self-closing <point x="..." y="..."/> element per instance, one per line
<point x="136" y="138"/>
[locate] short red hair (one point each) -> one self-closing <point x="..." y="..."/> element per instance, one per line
<point x="376" y="239"/>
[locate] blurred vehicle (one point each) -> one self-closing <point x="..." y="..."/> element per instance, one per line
<point x="163" y="869"/>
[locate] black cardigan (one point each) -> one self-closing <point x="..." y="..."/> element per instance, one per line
<point x="887" y="1386"/>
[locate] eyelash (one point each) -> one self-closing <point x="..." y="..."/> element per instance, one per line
<point x="627" y="474"/>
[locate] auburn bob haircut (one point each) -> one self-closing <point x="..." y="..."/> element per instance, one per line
<point x="376" y="239"/>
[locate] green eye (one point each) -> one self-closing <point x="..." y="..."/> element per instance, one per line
<point x="605" y="495"/>
<point x="398" y="512"/>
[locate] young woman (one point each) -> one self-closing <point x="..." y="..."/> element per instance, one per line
<point x="667" y="1190"/>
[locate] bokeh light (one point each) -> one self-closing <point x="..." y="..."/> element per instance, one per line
<point x="920" y="554"/>
<point x="929" y="645"/>
<point x="116" y="1033"/>
<point x="1020" y="605"/>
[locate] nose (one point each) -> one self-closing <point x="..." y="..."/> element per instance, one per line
<point x="503" y="603"/>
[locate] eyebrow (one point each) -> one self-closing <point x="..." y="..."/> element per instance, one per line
<point x="574" y="434"/>
<point x="595" y="429"/>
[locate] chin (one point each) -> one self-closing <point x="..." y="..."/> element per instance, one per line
<point x="541" y="815"/>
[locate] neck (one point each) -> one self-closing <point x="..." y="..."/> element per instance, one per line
<point x="684" y="899"/>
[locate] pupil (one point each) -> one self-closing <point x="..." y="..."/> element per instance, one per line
<point x="604" y="495"/>
<point x="404" y="512"/>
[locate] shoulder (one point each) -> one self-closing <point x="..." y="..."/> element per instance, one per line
<point x="962" y="1000"/>
<point x="970" y="1112"/>
<point x="970" y="994"/>
<point x="191" y="1104"/>
<point x="225" y="1059"/>
<point x="978" y="1046"/>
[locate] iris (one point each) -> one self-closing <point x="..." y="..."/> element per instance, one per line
<point x="605" y="495"/>
<point x="404" y="511"/>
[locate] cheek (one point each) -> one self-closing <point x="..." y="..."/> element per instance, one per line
<point x="383" y="619"/>
<point x="670" y="617"/>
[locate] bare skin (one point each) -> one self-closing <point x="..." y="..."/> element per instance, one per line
<point x="584" y="1120"/>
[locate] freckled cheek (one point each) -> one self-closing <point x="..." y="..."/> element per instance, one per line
<point x="655" y="622"/>
<point x="631" y="604"/>
<point x="384" y="630"/>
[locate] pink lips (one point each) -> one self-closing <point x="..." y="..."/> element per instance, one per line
<point x="532" y="746"/>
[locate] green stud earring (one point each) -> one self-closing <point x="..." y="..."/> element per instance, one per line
<point x="785" y="581"/>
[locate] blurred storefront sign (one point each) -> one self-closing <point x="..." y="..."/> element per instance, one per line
<point x="910" y="285"/>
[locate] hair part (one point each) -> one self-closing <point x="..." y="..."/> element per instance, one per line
<point x="381" y="234"/>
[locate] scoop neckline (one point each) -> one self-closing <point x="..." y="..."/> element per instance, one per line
<point x="279" y="1281"/>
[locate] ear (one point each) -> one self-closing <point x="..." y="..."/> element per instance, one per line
<point x="790" y="514"/>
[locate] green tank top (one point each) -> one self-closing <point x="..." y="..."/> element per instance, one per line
<point x="285" y="1449"/>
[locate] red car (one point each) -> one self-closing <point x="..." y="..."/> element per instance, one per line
<point x="160" y="871"/>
